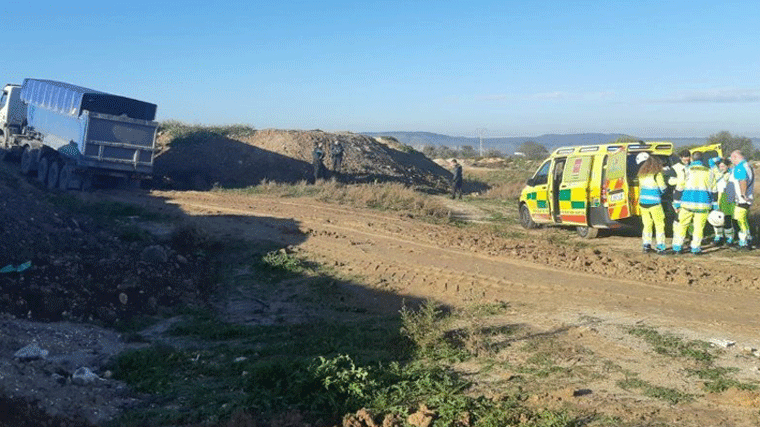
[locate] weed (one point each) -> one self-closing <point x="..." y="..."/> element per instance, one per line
<point x="282" y="261"/>
<point x="428" y="329"/>
<point x="487" y="309"/>
<point x="663" y="393"/>
<point x="674" y="346"/>
<point x="717" y="380"/>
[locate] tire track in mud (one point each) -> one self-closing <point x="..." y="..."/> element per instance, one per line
<point x="425" y="260"/>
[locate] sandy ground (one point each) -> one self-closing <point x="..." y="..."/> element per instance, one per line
<point x="588" y="304"/>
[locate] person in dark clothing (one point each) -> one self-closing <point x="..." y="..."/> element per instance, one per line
<point x="336" y="153"/>
<point x="456" y="180"/>
<point x="318" y="155"/>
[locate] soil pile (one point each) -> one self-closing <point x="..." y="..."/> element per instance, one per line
<point x="74" y="267"/>
<point x="201" y="160"/>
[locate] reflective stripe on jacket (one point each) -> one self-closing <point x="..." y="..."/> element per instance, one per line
<point x="697" y="192"/>
<point x="651" y="189"/>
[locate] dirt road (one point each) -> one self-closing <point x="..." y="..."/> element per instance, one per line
<point x="605" y="286"/>
<point x="419" y="259"/>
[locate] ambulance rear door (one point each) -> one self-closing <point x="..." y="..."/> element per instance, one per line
<point x="615" y="185"/>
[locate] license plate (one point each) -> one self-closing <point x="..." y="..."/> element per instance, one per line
<point x="617" y="197"/>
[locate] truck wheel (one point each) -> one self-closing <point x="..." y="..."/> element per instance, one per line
<point x="53" y="174"/>
<point x="42" y="169"/>
<point x="67" y="180"/>
<point x="27" y="161"/>
<point x="587" y="232"/>
<point x="525" y="219"/>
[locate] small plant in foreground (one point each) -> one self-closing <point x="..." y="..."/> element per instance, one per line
<point x="280" y="260"/>
<point x="428" y="328"/>
<point x="717" y="380"/>
<point x="670" y="395"/>
<point x="674" y="346"/>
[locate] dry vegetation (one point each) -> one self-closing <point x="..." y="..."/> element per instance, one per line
<point x="383" y="196"/>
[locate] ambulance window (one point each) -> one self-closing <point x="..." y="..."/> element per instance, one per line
<point x="542" y="175"/>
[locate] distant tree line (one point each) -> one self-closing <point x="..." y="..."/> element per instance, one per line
<point x="463" y="152"/>
<point x="730" y="143"/>
<point x="535" y="151"/>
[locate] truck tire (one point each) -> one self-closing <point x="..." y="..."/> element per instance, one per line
<point x="587" y="232"/>
<point x="27" y="161"/>
<point x="42" y="169"/>
<point x="53" y="174"/>
<point x="67" y="180"/>
<point x="525" y="219"/>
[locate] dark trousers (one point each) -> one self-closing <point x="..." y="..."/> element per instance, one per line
<point x="456" y="189"/>
<point x="337" y="161"/>
<point x="319" y="171"/>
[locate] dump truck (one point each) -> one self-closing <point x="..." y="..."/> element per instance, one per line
<point x="67" y="135"/>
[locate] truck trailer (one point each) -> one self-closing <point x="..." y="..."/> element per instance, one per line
<point x="68" y="134"/>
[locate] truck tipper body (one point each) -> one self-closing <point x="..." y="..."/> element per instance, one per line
<point x="70" y="133"/>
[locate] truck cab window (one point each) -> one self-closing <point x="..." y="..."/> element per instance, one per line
<point x="3" y="99"/>
<point x="542" y="175"/>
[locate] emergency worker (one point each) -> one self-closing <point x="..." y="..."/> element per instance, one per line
<point x="680" y="168"/>
<point x="743" y="181"/>
<point x="726" y="196"/>
<point x="693" y="199"/>
<point x="717" y="177"/>
<point x="652" y="187"/>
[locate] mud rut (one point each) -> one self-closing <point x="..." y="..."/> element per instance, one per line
<point x="409" y="257"/>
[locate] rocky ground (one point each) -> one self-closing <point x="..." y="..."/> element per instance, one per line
<point x="82" y="265"/>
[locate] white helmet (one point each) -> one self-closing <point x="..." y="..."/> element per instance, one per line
<point x="716" y="218"/>
<point x="641" y="158"/>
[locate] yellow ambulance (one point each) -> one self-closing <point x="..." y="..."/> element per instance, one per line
<point x="588" y="186"/>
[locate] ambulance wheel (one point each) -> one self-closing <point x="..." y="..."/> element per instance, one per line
<point x="587" y="232"/>
<point x="525" y="219"/>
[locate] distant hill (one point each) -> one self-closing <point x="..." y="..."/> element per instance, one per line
<point x="508" y="145"/>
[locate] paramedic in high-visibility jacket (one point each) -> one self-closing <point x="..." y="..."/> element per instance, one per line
<point x="693" y="199"/>
<point x="651" y="188"/>
<point x="743" y="181"/>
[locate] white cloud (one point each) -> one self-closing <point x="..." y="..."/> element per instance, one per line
<point x="718" y="95"/>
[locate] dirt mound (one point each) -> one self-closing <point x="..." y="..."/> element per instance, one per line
<point x="80" y="268"/>
<point x="202" y="159"/>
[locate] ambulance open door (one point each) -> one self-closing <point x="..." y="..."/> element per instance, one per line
<point x="616" y="185"/>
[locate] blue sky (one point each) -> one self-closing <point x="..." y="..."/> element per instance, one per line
<point x="646" y="68"/>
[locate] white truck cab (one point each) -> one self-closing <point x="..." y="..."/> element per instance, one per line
<point x="12" y="113"/>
